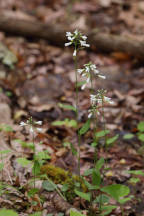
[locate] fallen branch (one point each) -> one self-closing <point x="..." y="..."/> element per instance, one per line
<point x="55" y="34"/>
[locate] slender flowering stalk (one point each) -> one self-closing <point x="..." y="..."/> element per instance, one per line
<point x="78" y="41"/>
<point x="32" y="129"/>
<point x="88" y="71"/>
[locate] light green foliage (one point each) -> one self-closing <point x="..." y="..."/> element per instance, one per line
<point x="32" y="192"/>
<point x="75" y="213"/>
<point x="134" y="180"/>
<point x="36" y="214"/>
<point x="49" y="186"/>
<point x="106" y="210"/>
<point x="136" y="172"/>
<point x="86" y="196"/>
<point x="67" y="122"/>
<point x="140" y="126"/>
<point x="23" y="162"/>
<point x="102" y="198"/>
<point x="67" y="107"/>
<point x="6" y="128"/>
<point x="6" y="212"/>
<point x="117" y="191"/>
<point x="111" y="140"/>
<point x="85" y="127"/>
<point x="1" y="166"/>
<point x="102" y="133"/>
<point x="7" y="57"/>
<point x="128" y="136"/>
<point x="25" y="144"/>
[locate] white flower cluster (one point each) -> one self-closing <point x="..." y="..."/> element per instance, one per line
<point x="31" y="125"/>
<point x="77" y="39"/>
<point x="97" y="99"/>
<point x="87" y="72"/>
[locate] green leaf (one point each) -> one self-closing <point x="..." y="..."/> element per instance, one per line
<point x="85" y="127"/>
<point x="32" y="192"/>
<point x="67" y="122"/>
<point x="65" y="187"/>
<point x="101" y="199"/>
<point x="136" y="172"/>
<point x="107" y="209"/>
<point x="141" y="126"/>
<point x="60" y="214"/>
<point x="96" y="178"/>
<point x="112" y="140"/>
<point x="117" y="191"/>
<point x="5" y="212"/>
<point x="23" y="162"/>
<point x="88" y="172"/>
<point x="94" y="144"/>
<point x="71" y="123"/>
<point x="67" y="106"/>
<point x="86" y="196"/>
<point x="128" y="136"/>
<point x="90" y="186"/>
<point x="102" y="133"/>
<point x="1" y="166"/>
<point x="141" y="137"/>
<point x="5" y="151"/>
<point x="75" y="213"/>
<point x="99" y="164"/>
<point x="81" y="83"/>
<point x="36" y="214"/>
<point x="47" y="185"/>
<point x="134" y="180"/>
<point x="58" y="123"/>
<point x="43" y="155"/>
<point x="36" y="167"/>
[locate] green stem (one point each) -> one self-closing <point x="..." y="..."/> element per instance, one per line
<point x="2" y="179"/>
<point x="34" y="155"/>
<point x="77" y="110"/>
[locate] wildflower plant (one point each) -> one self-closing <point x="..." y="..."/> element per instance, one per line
<point x="97" y="101"/>
<point x="32" y="125"/>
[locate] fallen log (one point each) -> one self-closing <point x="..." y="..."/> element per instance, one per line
<point x="55" y="34"/>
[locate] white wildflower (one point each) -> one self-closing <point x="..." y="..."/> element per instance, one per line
<point x="108" y="100"/>
<point x="101" y="76"/>
<point x="68" y="44"/>
<point x="22" y="124"/>
<point x="83" y="43"/>
<point x="69" y="34"/>
<point x="39" y="129"/>
<point x="38" y="122"/>
<point x="75" y="52"/>
<point x="31" y="130"/>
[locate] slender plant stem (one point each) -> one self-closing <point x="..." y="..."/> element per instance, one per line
<point x="34" y="154"/>
<point x="77" y="111"/>
<point x="2" y="179"/>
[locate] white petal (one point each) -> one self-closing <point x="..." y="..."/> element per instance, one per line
<point x="31" y="130"/>
<point x="39" y="122"/>
<point x="75" y="52"/>
<point x="69" y="34"/>
<point x="22" y="124"/>
<point x="83" y="87"/>
<point x="68" y="44"/>
<point x="84" y="37"/>
<point x="102" y="77"/>
<point x="39" y="129"/>
<point x="88" y="80"/>
<point x="80" y="70"/>
<point x="90" y="115"/>
<point x="96" y="71"/>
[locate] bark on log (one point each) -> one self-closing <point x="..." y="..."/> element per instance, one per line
<point x="55" y="34"/>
